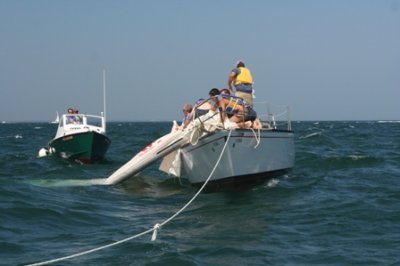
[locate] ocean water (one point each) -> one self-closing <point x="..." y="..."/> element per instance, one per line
<point x="339" y="206"/>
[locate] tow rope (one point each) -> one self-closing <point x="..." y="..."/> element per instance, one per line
<point x="156" y="228"/>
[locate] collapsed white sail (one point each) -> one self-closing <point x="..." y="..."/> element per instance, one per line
<point x="165" y="146"/>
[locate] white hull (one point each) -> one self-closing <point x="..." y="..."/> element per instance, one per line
<point x="250" y="156"/>
<point x="242" y="157"/>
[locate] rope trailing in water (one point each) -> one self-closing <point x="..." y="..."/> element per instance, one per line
<point x="204" y="184"/>
<point x="155" y="229"/>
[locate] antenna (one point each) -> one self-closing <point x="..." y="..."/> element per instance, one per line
<point x="104" y="98"/>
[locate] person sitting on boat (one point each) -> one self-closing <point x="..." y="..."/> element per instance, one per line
<point x="201" y="107"/>
<point x="240" y="111"/>
<point x="70" y="116"/>
<point x="243" y="82"/>
<point x="256" y="123"/>
<point x="78" y="118"/>
<point x="73" y="117"/>
<point x="187" y="115"/>
<point x="227" y="92"/>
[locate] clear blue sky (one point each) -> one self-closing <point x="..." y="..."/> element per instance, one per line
<point x="327" y="60"/>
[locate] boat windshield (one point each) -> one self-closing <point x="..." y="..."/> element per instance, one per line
<point x="83" y="120"/>
<point x="94" y="120"/>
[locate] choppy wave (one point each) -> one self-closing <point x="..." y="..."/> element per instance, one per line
<point x="340" y="199"/>
<point x="389" y="121"/>
<point x="311" y="135"/>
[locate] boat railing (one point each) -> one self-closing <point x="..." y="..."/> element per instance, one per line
<point x="274" y="116"/>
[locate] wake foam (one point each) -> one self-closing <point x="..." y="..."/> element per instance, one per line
<point x="67" y="182"/>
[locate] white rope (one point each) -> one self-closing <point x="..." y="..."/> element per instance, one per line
<point x="203" y="186"/>
<point x="91" y="251"/>
<point x="257" y="136"/>
<point x="155" y="229"/>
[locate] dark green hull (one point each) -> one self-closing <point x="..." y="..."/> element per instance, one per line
<point x="85" y="147"/>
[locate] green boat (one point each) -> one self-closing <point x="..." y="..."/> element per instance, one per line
<point x="80" y="137"/>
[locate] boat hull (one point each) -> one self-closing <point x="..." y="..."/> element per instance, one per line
<point x="86" y="147"/>
<point x="245" y="162"/>
<point x="239" y="183"/>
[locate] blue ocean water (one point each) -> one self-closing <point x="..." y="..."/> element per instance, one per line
<point x="339" y="206"/>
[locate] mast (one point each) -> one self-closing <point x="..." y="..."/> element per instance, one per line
<point x="104" y="98"/>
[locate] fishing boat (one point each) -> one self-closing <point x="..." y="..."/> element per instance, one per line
<point x="227" y="157"/>
<point x="80" y="137"/>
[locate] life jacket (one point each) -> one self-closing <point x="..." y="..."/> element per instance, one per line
<point x="234" y="102"/>
<point x="244" y="77"/>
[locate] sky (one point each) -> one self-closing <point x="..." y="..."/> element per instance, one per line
<point x="325" y="59"/>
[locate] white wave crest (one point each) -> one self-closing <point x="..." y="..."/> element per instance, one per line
<point x="310" y="135"/>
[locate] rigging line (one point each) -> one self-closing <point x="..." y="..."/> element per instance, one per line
<point x="154" y="229"/>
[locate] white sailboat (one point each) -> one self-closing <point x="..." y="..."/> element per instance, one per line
<point x="57" y="119"/>
<point x="252" y="156"/>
